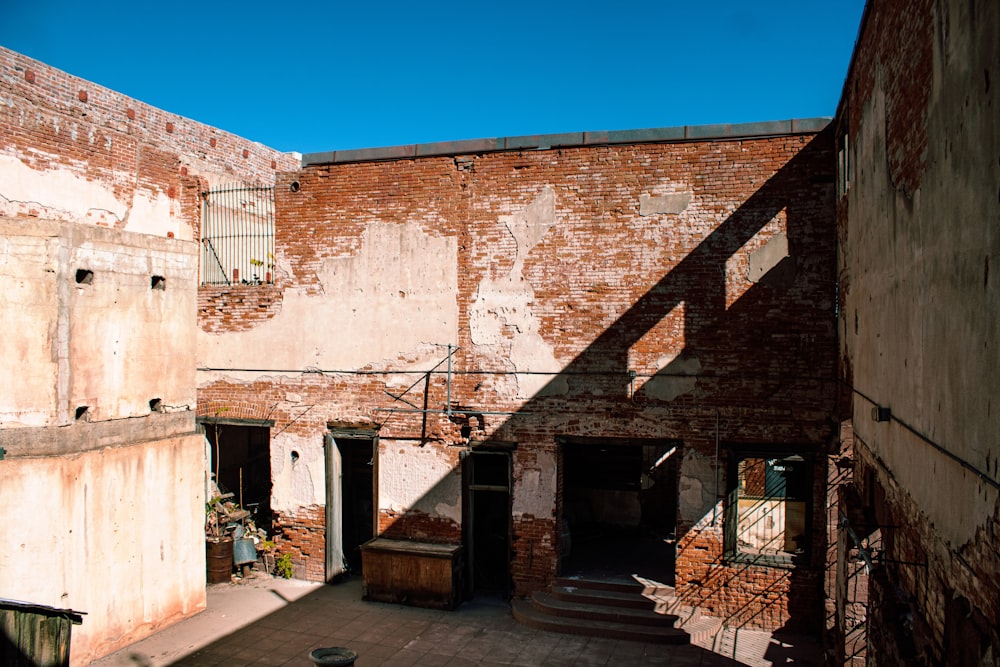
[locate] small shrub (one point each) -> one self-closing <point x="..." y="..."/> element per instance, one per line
<point x="284" y="566"/>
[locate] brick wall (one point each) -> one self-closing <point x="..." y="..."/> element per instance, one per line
<point x="53" y="121"/>
<point x="917" y="243"/>
<point x="302" y="535"/>
<point x="633" y="254"/>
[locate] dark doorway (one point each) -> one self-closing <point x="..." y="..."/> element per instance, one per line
<point x="241" y="463"/>
<point x="357" y="497"/>
<point x="619" y="508"/>
<point x="487" y="517"/>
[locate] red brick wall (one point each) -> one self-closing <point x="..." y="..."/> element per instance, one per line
<point x="51" y="118"/>
<point x="612" y="290"/>
<point x="896" y="45"/>
<point x="302" y="535"/>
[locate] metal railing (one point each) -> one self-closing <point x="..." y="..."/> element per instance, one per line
<point x="237" y="235"/>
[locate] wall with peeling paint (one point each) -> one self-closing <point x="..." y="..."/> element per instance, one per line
<point x="919" y="332"/>
<point x="101" y="474"/>
<point x="704" y="267"/>
<point x="116" y="532"/>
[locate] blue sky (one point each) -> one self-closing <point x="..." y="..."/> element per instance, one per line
<point x="317" y="76"/>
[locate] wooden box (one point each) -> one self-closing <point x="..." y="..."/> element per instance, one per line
<point x="413" y="573"/>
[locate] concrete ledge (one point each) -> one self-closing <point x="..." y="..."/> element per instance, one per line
<point x="572" y="139"/>
<point x="81" y="437"/>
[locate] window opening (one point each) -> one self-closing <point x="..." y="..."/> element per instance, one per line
<point x="769" y="502"/>
<point x="237" y="235"/>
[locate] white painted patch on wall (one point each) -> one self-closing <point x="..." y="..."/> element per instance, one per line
<point x="535" y="494"/>
<point x="59" y="194"/>
<point x="397" y="295"/>
<point x="298" y="472"/>
<point x="676" y="378"/>
<point x="697" y="486"/>
<point x="501" y="317"/>
<point x="419" y="478"/>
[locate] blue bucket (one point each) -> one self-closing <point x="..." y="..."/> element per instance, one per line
<point x="244" y="551"/>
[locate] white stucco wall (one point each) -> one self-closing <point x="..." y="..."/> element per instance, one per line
<point x="111" y="345"/>
<point x="117" y="533"/>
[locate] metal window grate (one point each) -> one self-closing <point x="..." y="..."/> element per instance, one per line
<point x="237" y="235"/>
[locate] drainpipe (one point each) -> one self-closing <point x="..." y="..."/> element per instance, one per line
<point x="715" y="503"/>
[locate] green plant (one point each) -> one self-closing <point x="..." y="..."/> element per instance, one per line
<point x="284" y="566"/>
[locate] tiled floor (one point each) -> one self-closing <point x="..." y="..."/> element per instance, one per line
<point x="481" y="632"/>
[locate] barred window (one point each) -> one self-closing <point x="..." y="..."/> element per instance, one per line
<point x="237" y="235"/>
<point x="768" y="506"/>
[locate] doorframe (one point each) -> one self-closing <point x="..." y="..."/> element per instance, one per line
<point x="334" y="509"/>
<point x="468" y="507"/>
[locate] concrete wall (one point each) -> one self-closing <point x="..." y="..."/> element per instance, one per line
<point x="106" y="341"/>
<point x="920" y="245"/>
<point x="102" y="487"/>
<point x="705" y="265"/>
<point x="115" y="532"/>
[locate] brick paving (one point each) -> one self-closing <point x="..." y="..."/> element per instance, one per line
<point x="264" y="621"/>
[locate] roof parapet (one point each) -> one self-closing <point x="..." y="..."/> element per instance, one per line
<point x="571" y="139"/>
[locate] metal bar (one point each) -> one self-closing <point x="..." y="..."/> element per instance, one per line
<point x="448" y="404"/>
<point x="461" y="412"/>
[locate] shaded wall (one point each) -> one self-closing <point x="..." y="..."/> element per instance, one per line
<point x="704" y="266"/>
<point x="919" y="249"/>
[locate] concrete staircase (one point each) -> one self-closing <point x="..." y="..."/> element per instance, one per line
<point x="633" y="610"/>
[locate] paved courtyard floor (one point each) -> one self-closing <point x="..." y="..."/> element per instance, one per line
<point x="268" y="621"/>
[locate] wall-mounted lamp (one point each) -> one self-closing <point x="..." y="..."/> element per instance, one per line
<point x="881" y="414"/>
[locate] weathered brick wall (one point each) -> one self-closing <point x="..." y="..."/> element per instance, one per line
<point x="302" y="535"/>
<point x="918" y="329"/>
<point x="134" y="158"/>
<point x="571" y="267"/>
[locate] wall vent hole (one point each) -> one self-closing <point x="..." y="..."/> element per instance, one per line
<point x="158" y="282"/>
<point x="81" y="411"/>
<point x="84" y="276"/>
<point x="156" y="405"/>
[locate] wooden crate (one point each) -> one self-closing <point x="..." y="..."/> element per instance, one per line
<point x="413" y="573"/>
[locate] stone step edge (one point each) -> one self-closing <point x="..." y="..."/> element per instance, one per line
<point x="610" y="598"/>
<point x="525" y="613"/>
<point x="641" y="587"/>
<point x="548" y="604"/>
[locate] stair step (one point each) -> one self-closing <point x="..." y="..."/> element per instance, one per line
<point x="596" y="596"/>
<point x="639" y="586"/>
<point x="525" y="612"/>
<point x="549" y="604"/>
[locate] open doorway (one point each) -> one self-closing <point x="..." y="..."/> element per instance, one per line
<point x="487" y="521"/>
<point x="241" y="464"/>
<point x="350" y="500"/>
<point x="619" y="508"/>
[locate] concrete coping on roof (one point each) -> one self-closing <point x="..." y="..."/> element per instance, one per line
<point x="574" y="139"/>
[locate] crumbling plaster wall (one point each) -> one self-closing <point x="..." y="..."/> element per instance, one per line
<point x="919" y="331"/>
<point x="102" y="486"/>
<point x="72" y="150"/>
<point x="705" y="266"/>
<point x="115" y="532"/>
<point x="96" y="337"/>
